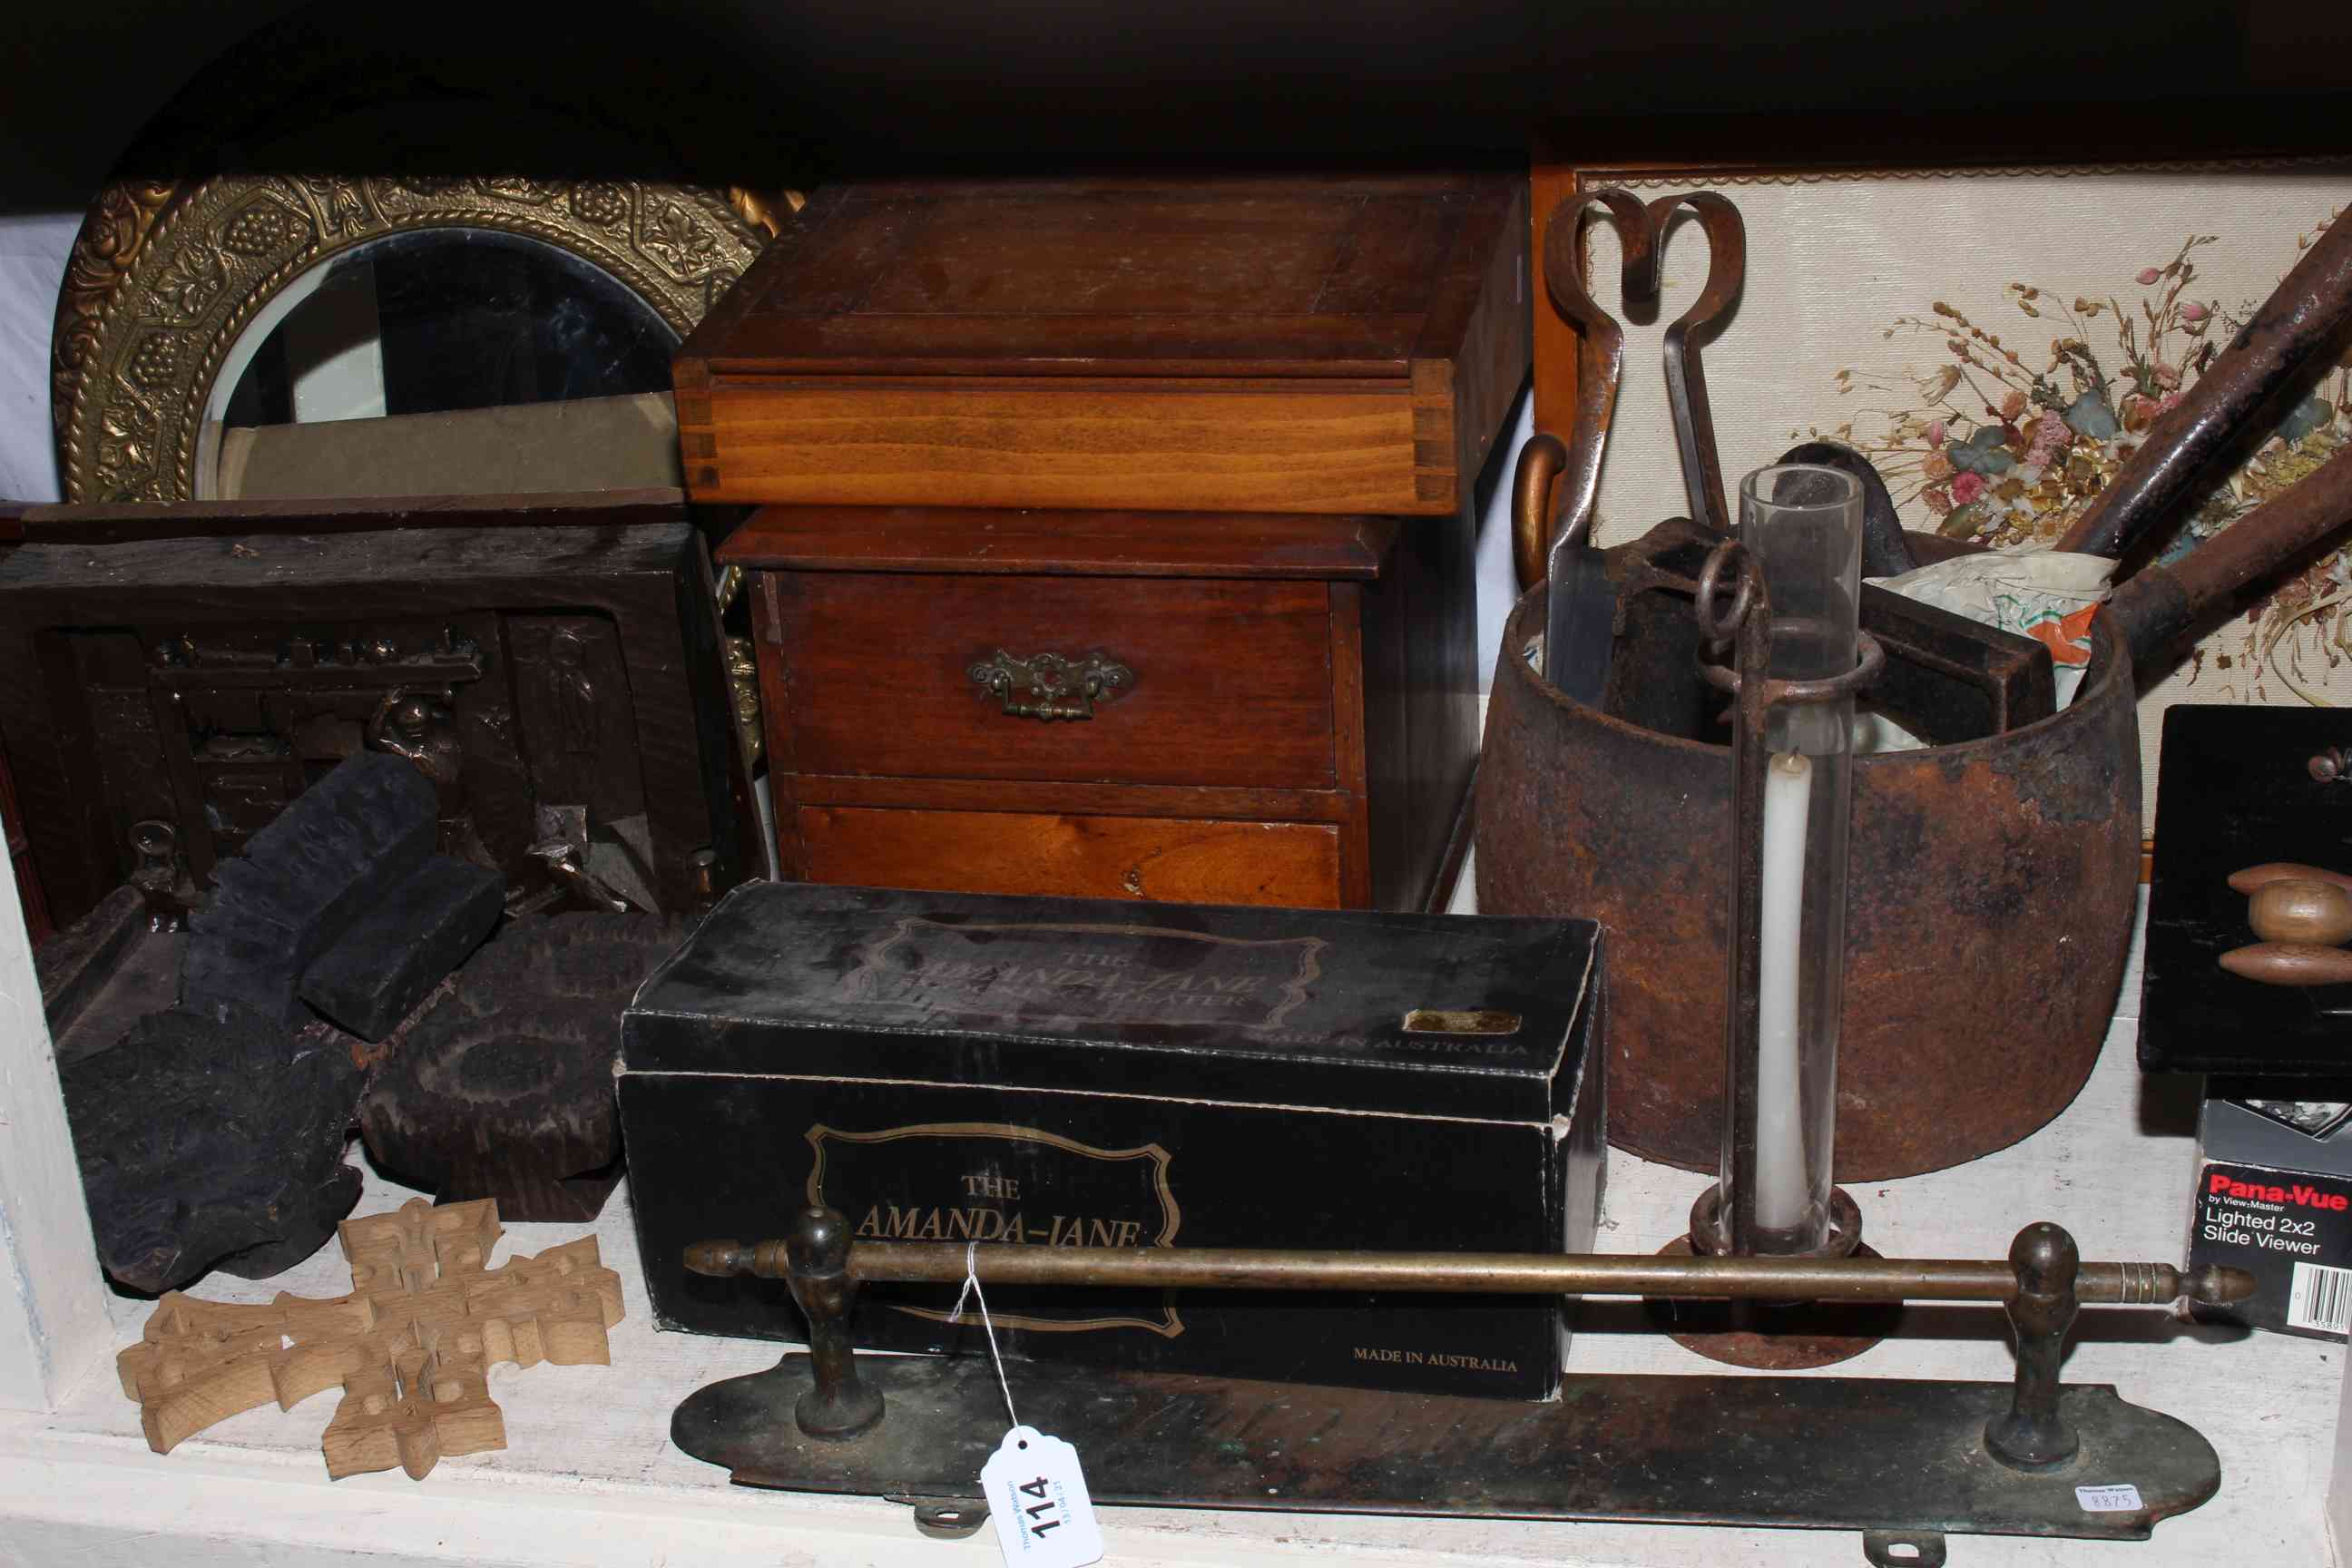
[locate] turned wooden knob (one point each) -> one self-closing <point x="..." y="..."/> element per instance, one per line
<point x="2290" y="963"/>
<point x="2255" y="878"/>
<point x="2301" y="910"/>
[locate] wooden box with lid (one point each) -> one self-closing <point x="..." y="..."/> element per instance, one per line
<point x="1328" y="345"/>
<point x="1116" y="536"/>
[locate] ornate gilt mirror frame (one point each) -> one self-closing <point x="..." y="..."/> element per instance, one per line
<point x="166" y="278"/>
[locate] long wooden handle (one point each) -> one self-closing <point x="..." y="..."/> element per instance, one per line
<point x="2163" y="604"/>
<point x="2156" y="483"/>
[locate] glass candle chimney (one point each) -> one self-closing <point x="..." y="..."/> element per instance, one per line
<point x="1802" y="526"/>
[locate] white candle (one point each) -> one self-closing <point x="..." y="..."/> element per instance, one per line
<point x="1779" y="1126"/>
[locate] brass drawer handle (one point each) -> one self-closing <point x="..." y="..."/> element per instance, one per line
<point x="1048" y="686"/>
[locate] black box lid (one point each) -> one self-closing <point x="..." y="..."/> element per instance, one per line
<point x="1455" y="1016"/>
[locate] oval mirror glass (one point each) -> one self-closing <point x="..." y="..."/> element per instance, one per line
<point x="434" y="321"/>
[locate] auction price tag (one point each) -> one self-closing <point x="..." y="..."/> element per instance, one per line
<point x="1037" y="1496"/>
<point x="2123" y="1499"/>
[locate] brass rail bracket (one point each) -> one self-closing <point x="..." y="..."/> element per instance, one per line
<point x="1903" y="1462"/>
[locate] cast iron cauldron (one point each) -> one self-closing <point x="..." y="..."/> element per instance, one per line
<point x="1990" y="892"/>
<point x="1993" y="881"/>
<point x="1991" y="886"/>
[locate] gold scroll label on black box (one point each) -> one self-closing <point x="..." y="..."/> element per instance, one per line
<point x="996" y="1183"/>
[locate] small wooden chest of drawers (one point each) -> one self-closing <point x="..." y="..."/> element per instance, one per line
<point x="1197" y="670"/>
<point x="1213" y="708"/>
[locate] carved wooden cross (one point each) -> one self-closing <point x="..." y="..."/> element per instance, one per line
<point x="411" y="1346"/>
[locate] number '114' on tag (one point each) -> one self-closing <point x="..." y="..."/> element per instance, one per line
<point x="1036" y="1497"/>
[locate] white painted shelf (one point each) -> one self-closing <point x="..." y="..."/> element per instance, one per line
<point x="590" y="1478"/>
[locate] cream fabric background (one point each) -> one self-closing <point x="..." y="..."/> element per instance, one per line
<point x="1835" y="261"/>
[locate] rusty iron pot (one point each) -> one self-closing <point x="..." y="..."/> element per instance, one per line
<point x="1992" y="884"/>
<point x="1993" y="881"/>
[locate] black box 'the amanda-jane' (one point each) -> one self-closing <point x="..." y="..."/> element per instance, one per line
<point x="1080" y="1072"/>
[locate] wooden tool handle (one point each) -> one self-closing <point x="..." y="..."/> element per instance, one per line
<point x="2161" y="606"/>
<point x="2290" y="963"/>
<point x="2302" y="318"/>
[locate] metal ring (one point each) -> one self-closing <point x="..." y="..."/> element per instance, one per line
<point x="1730" y="555"/>
<point x="949" y="1519"/>
<point x="1869" y="663"/>
<point x="1918" y="1548"/>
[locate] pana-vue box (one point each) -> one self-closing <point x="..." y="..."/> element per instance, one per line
<point x="951" y="1068"/>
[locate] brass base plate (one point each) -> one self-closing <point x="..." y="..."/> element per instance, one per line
<point x="1814" y="1452"/>
<point x="1767" y="1336"/>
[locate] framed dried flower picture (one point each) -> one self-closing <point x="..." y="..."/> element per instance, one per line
<point x="1997" y="341"/>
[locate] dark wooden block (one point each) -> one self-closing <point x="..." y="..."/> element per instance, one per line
<point x="212" y="1139"/>
<point x="334" y="856"/>
<point x="503" y="1087"/>
<point x="382" y="966"/>
<point x="1326" y="344"/>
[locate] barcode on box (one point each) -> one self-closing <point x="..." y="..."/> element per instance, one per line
<point x="2320" y="1298"/>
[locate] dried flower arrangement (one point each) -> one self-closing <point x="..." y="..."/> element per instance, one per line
<point x="2002" y="452"/>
